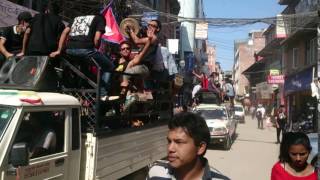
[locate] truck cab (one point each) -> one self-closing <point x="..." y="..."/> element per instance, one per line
<point x="39" y="135"/>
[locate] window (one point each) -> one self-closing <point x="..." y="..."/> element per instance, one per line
<point x="295" y="58"/>
<point x="313" y="50"/>
<point x="43" y="132"/>
<point x="6" y="114"/>
<point x="75" y="130"/>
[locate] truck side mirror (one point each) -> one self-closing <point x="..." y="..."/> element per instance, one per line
<point x="19" y="155"/>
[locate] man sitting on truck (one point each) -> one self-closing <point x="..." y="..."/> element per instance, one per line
<point x="11" y="37"/>
<point x="188" y="139"/>
<point x="83" y="36"/>
<point x="142" y="63"/>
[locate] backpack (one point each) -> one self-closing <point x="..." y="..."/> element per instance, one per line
<point x="282" y="115"/>
<point x="259" y="114"/>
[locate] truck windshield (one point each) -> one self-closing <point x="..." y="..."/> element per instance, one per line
<point x="6" y="113"/>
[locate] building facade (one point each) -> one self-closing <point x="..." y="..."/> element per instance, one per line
<point x="299" y="60"/>
<point x="244" y="57"/>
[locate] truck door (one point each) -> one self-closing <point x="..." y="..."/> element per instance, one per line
<point x="45" y="133"/>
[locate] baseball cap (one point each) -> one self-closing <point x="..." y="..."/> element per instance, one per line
<point x="25" y="16"/>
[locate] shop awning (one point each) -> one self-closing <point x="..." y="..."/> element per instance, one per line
<point x="298" y="82"/>
<point x="254" y="68"/>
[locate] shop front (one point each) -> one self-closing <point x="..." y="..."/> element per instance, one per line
<point x="301" y="106"/>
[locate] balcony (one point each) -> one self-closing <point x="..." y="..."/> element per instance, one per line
<point x="273" y="35"/>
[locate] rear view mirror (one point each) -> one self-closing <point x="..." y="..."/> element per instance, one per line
<point x="19" y="155"/>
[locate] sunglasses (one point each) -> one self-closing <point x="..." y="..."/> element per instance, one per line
<point x="152" y="25"/>
<point x="125" y="48"/>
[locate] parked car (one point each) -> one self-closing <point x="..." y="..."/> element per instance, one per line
<point x="313" y="157"/>
<point x="222" y="127"/>
<point x="239" y="113"/>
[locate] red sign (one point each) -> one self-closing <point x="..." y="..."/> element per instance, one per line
<point x="278" y="79"/>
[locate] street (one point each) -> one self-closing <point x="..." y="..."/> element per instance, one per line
<point x="251" y="156"/>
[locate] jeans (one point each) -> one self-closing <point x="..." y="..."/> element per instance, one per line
<point x="104" y="62"/>
<point x="260" y="123"/>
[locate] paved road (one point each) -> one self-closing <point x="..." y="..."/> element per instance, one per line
<point x="251" y="156"/>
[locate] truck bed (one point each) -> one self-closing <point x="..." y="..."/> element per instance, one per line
<point x="120" y="155"/>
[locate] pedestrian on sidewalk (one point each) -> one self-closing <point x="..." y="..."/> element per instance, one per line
<point x="253" y="112"/>
<point x="260" y="114"/>
<point x="188" y="139"/>
<point x="281" y="119"/>
<point x="292" y="165"/>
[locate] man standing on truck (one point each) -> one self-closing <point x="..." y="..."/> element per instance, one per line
<point x="188" y="139"/>
<point x="42" y="36"/>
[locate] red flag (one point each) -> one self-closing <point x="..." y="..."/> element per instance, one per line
<point x="112" y="32"/>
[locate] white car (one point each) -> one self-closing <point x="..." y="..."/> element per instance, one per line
<point x="239" y="113"/>
<point x="222" y="127"/>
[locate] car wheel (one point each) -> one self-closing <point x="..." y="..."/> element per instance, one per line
<point x="227" y="143"/>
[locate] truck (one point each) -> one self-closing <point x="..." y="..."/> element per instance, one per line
<point x="92" y="139"/>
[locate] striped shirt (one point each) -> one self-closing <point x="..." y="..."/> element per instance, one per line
<point x="161" y="170"/>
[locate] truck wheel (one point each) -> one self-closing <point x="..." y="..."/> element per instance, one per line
<point x="227" y="143"/>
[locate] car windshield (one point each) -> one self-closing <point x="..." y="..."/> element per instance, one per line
<point x="213" y="114"/>
<point x="238" y="108"/>
<point x="6" y="113"/>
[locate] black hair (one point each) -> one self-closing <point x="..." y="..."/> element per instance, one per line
<point x="292" y="138"/>
<point x="125" y="42"/>
<point x="158" y="23"/>
<point x="24" y="16"/>
<point x="194" y="125"/>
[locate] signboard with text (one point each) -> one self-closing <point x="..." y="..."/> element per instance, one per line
<point x="275" y="79"/>
<point x="201" y="31"/>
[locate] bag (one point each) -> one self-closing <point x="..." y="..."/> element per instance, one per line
<point x="259" y="114"/>
<point x="282" y="115"/>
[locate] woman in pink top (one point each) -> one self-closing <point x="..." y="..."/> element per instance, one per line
<point x="292" y="165"/>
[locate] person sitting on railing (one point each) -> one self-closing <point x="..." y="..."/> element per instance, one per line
<point x="142" y="63"/>
<point x="11" y="37"/>
<point x="84" y="35"/>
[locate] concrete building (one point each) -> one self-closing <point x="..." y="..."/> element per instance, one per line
<point x="244" y="57"/>
<point x="188" y="43"/>
<point x="299" y="56"/>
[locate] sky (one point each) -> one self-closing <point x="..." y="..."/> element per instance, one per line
<point x="223" y="38"/>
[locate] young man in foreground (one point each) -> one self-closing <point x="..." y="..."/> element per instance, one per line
<point x="188" y="139"/>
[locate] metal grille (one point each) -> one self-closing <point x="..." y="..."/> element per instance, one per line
<point x="86" y="98"/>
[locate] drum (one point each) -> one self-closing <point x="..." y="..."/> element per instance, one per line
<point x="132" y="23"/>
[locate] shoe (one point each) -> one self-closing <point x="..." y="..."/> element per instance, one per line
<point x="104" y="98"/>
<point x="109" y="98"/>
<point x="112" y="98"/>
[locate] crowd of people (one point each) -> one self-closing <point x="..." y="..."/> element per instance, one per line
<point x="224" y="92"/>
<point x="45" y="34"/>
